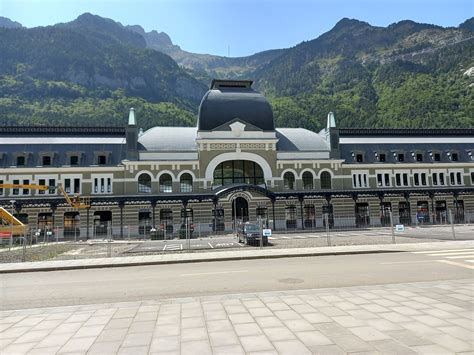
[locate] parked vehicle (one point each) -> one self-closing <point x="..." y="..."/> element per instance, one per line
<point x="251" y="234"/>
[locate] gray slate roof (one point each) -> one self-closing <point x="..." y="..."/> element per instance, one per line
<point x="300" y="139"/>
<point x="169" y="139"/>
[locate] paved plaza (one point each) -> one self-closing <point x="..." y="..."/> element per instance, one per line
<point x="423" y="317"/>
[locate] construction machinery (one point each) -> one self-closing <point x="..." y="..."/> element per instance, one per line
<point x="75" y="201"/>
<point x="11" y="226"/>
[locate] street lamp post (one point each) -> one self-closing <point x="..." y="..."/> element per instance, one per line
<point x="11" y="229"/>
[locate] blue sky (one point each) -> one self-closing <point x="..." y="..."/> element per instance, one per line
<point x="244" y="26"/>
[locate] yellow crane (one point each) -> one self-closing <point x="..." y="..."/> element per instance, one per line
<point x="12" y="226"/>
<point x="76" y="201"/>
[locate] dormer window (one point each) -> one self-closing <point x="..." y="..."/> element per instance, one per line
<point x="382" y="158"/>
<point x="437" y="157"/>
<point x="419" y="157"/>
<point x="359" y="158"/>
<point x="20" y="161"/>
<point x="73" y="160"/>
<point x="454" y="156"/>
<point x="101" y="159"/>
<point x="46" y="160"/>
<point x="400" y="157"/>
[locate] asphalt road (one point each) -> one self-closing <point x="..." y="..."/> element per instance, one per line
<point x="59" y="288"/>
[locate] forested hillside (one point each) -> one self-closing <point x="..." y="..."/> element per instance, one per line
<point x="405" y="75"/>
<point x="91" y="70"/>
<point x="84" y="74"/>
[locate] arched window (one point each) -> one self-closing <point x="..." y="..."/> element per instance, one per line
<point x="289" y="180"/>
<point x="166" y="184"/>
<point x="238" y="172"/>
<point x="307" y="181"/>
<point x="144" y="183"/>
<point x="186" y="183"/>
<point x="325" y="180"/>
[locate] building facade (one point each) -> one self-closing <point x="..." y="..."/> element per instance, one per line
<point x="234" y="165"/>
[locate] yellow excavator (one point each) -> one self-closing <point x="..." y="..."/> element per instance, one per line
<point x="9" y="224"/>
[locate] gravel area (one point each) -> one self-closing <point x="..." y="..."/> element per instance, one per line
<point x="35" y="253"/>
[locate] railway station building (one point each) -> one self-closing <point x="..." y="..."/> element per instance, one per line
<point x="234" y="165"/>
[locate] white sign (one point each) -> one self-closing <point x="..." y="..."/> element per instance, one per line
<point x="399" y="228"/>
<point x="267" y="232"/>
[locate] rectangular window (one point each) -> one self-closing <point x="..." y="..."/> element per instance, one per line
<point x="401" y="157"/>
<point x="419" y="157"/>
<point x="67" y="185"/>
<point x="52" y="184"/>
<point x="435" y="179"/>
<point x="77" y="186"/>
<point x="359" y="158"/>
<point x="416" y="179"/>
<point x="459" y="178"/>
<point x="437" y="157"/>
<point x="1" y="188"/>
<point x="472" y="177"/>
<point x="454" y="157"/>
<point x="382" y="158"/>
<point x="405" y="179"/>
<point x="102" y="185"/>
<point x="359" y="180"/>
<point x="96" y="185"/>
<point x="20" y="161"/>
<point x="73" y="160"/>
<point x="109" y="185"/>
<point x="441" y="178"/>
<point x="16" y="191"/>
<point x="26" y="191"/>
<point x="379" y="180"/>
<point x="423" y="179"/>
<point x="46" y="160"/>
<point x="42" y="182"/>
<point x="387" y="179"/>
<point x="398" y="180"/>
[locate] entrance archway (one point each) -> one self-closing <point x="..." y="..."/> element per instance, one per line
<point x="240" y="209"/>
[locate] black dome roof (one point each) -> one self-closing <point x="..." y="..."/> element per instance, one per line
<point x="229" y="100"/>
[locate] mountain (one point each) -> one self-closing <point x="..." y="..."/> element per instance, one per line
<point x="212" y="65"/>
<point x="405" y="75"/>
<point x="62" y="73"/>
<point x="92" y="69"/>
<point x="7" y="23"/>
<point x="104" y="29"/>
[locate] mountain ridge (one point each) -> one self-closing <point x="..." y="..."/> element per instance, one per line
<point x="406" y="74"/>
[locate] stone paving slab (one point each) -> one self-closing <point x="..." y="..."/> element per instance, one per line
<point x="279" y="322"/>
<point x="226" y="255"/>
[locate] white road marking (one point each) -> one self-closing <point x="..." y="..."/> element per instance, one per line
<point x="442" y="251"/>
<point x="407" y="262"/>
<point x="456" y="264"/>
<point x="210" y="245"/>
<point x="459" y="256"/>
<point x="214" y="273"/>
<point x="173" y="247"/>
<point x="454" y="253"/>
